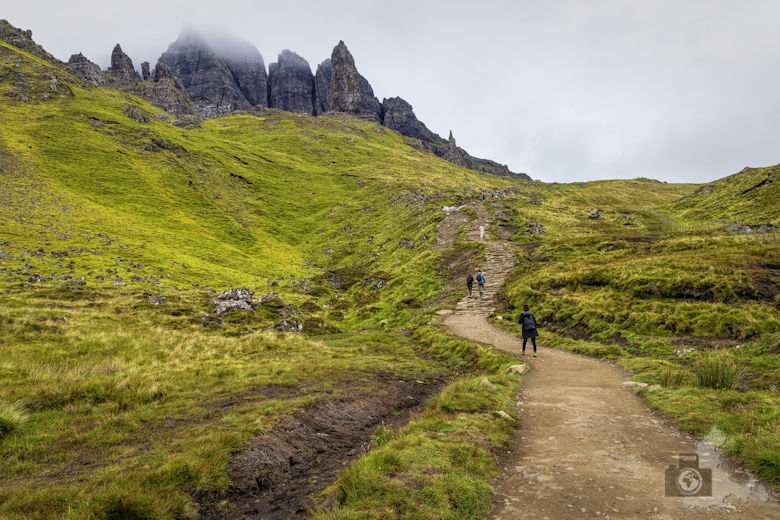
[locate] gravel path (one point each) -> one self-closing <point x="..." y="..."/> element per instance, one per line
<point x="588" y="447"/>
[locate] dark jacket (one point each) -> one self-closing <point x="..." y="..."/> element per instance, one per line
<point x="528" y="333"/>
<point x="469" y="280"/>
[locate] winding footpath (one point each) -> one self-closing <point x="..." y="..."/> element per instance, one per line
<point x="588" y="447"/>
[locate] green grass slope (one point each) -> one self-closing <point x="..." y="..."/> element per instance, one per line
<point x="752" y="196"/>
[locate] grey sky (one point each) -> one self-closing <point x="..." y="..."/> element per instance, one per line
<point x="564" y="90"/>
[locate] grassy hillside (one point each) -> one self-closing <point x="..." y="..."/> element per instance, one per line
<point x="752" y="196"/>
<point x="124" y="395"/>
<point x="695" y="311"/>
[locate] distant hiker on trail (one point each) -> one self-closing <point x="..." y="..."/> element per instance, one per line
<point x="469" y="283"/>
<point x="480" y="281"/>
<point x="528" y="322"/>
<point x="481" y="231"/>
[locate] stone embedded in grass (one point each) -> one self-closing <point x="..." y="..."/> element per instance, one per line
<point x="595" y="214"/>
<point x="486" y="382"/>
<point x="535" y="229"/>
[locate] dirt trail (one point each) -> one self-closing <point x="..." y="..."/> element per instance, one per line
<point x="588" y="447"/>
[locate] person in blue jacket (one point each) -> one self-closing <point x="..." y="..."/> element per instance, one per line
<point x="528" y="322"/>
<point x="480" y="278"/>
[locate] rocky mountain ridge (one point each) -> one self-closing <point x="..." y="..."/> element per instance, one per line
<point x="200" y="76"/>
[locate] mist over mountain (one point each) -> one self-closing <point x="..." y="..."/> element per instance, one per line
<point x="217" y="74"/>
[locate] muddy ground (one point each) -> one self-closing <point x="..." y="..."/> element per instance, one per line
<point x="277" y="475"/>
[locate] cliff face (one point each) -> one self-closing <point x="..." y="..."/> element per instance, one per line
<point x="398" y="115"/>
<point x="291" y="84"/>
<point x="349" y="91"/>
<point x="208" y="80"/>
<point x="322" y="94"/>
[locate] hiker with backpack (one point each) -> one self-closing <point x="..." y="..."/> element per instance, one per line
<point x="528" y="323"/>
<point x="480" y="278"/>
<point x="469" y="283"/>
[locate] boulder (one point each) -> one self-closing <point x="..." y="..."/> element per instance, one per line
<point x="235" y="299"/>
<point x="535" y="229"/>
<point x="595" y="214"/>
<point x="522" y="368"/>
<point x="288" y="325"/>
<point x="81" y="67"/>
<point x="291" y="84"/>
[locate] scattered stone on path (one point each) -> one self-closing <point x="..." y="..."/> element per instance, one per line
<point x="444" y="312"/>
<point x="522" y="368"/>
<point x="635" y="384"/>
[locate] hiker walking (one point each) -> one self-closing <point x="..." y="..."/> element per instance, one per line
<point x="482" y="232"/>
<point x="528" y="322"/>
<point x="469" y="283"/>
<point x="480" y="281"/>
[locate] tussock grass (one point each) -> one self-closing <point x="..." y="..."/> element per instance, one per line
<point x="12" y="417"/>
<point x="717" y="370"/>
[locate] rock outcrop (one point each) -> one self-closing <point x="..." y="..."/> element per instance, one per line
<point x="121" y="72"/>
<point x="322" y="94"/>
<point x="397" y="114"/>
<point x="207" y="79"/>
<point x="291" y="84"/>
<point x="349" y="91"/>
<point x="167" y="92"/>
<point x="81" y="67"/>
<point x="145" y="73"/>
<point x="23" y="40"/>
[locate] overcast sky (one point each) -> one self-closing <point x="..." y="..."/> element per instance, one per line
<point x="565" y="90"/>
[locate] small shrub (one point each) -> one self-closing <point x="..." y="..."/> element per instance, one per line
<point x="717" y="371"/>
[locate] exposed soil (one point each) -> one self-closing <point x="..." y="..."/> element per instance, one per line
<point x="588" y="447"/>
<point x="277" y="475"/>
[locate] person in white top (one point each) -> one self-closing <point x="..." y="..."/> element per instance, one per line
<point x="481" y="231"/>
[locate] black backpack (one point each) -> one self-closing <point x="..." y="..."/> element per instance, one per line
<point x="529" y="323"/>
